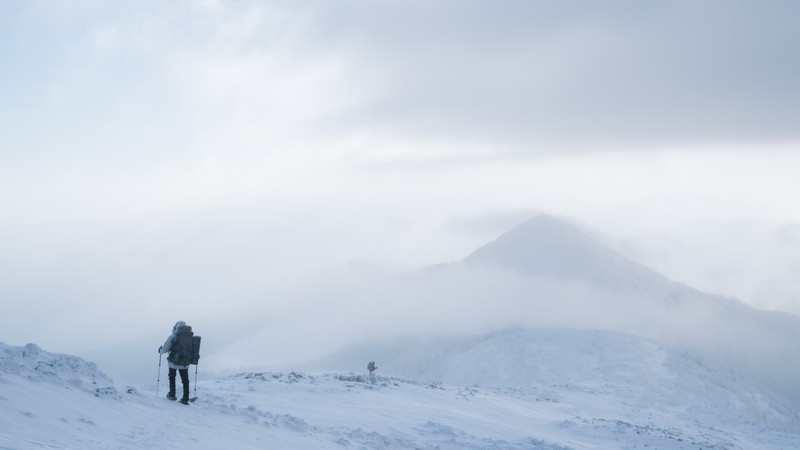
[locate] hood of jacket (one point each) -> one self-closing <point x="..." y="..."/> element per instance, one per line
<point x="178" y="325"/>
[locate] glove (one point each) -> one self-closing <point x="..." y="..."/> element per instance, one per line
<point x="159" y="348"/>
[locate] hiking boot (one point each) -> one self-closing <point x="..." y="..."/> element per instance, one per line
<point x="185" y="401"/>
<point x="171" y="396"/>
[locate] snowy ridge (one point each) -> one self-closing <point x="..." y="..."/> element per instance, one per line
<point x="355" y="411"/>
<point x="546" y="364"/>
<point x="33" y="363"/>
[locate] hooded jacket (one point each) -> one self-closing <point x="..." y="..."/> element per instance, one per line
<point x="168" y="344"/>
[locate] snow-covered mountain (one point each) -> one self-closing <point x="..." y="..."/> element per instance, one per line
<point x="570" y="390"/>
<point x="543" y="273"/>
<point x="553" y="269"/>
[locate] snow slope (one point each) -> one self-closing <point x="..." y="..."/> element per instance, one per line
<point x="631" y="372"/>
<point x="60" y="401"/>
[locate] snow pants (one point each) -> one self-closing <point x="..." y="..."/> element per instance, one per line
<point x="184" y="379"/>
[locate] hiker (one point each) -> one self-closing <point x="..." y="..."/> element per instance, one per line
<point x="179" y="347"/>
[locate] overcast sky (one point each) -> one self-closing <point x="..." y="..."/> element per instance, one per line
<point x="154" y="153"/>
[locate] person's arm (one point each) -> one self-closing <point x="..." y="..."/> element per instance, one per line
<point x="167" y="344"/>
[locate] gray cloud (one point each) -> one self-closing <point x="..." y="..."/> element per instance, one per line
<point x="574" y="74"/>
<point x="520" y="78"/>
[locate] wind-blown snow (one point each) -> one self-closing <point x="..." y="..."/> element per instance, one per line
<point x="581" y="398"/>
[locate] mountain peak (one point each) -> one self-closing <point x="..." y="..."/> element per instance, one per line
<point x="548" y="246"/>
<point x="541" y="244"/>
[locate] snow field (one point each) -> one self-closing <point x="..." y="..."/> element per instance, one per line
<point x="590" y="400"/>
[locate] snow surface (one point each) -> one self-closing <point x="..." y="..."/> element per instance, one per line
<point x="577" y="389"/>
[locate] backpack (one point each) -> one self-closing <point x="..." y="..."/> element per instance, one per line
<point x="195" y="358"/>
<point x="185" y="348"/>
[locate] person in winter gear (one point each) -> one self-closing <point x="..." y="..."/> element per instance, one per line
<point x="177" y="359"/>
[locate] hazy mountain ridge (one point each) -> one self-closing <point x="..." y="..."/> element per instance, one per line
<point x="548" y="272"/>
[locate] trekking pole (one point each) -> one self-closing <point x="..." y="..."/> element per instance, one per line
<point x="158" y="381"/>
<point x="195" y="380"/>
